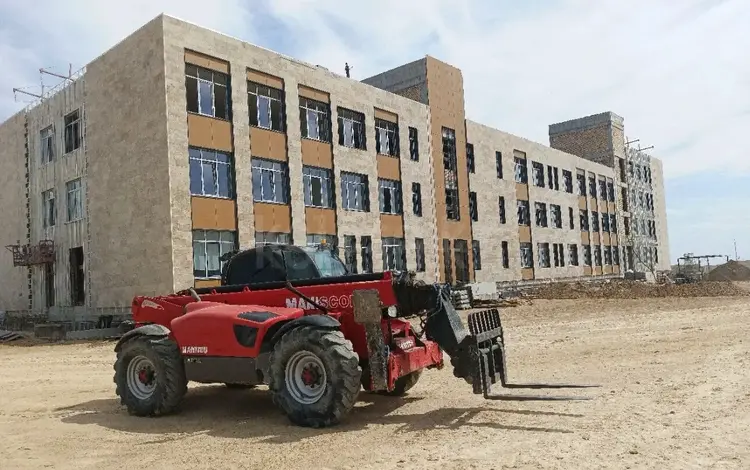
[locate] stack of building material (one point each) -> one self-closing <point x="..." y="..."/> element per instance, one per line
<point x="7" y="336"/>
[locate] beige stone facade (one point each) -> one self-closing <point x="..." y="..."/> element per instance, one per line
<point x="141" y="223"/>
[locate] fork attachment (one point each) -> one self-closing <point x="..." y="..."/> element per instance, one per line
<point x="486" y="345"/>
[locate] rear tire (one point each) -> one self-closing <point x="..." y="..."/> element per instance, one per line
<point x="150" y="376"/>
<point x="403" y="384"/>
<point x="314" y="376"/>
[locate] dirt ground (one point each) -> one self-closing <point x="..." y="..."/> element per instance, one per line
<point x="676" y="394"/>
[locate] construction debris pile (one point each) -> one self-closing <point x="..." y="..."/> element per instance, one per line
<point x="624" y="289"/>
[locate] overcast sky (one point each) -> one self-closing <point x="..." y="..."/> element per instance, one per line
<point x="677" y="71"/>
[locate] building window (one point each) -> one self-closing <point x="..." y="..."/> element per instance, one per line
<point x="550" y="180"/>
<point x="501" y="208"/>
<point x="77" y="276"/>
<point x="611" y="191"/>
<point x="505" y="255"/>
<point x="272" y="238"/>
<point x="461" y="253"/>
<point x="615" y="256"/>
<point x="521" y="170"/>
<point x="592" y="186"/>
<point x="352" y="129"/>
<point x="270" y="181"/>
<point x="602" y="188"/>
<point x="584" y="216"/>
<point x="607" y="255"/>
<point x="556" y="174"/>
<point x="581" y="179"/>
<point x="73" y="131"/>
<point x="207" y="92"/>
<point x="394" y="258"/>
<point x="473" y="210"/>
<point x="524" y="216"/>
<point x="210" y="173"/>
<point x="266" y="106"/>
<point x="318" y="187"/>
<point x="558" y="255"/>
<point x="75" y="200"/>
<point x="452" y="210"/>
<point x="594" y="221"/>
<point x="208" y="248"/>
<point x="49" y="211"/>
<point x="527" y="255"/>
<point x="386" y="138"/>
<point x="537" y="174"/>
<point x="355" y="192"/>
<point x="47" y="144"/>
<point x="499" y="164"/>
<point x="350" y="253"/>
<point x="419" y="251"/>
<point x="568" y="181"/>
<point x="544" y="260"/>
<point x="314" y="120"/>
<point x="390" y="196"/>
<point x="366" y="252"/>
<point x="447" y="261"/>
<point x="540" y="210"/>
<point x="571" y="218"/>
<point x="613" y="223"/>
<point x="413" y="144"/>
<point x="586" y="255"/>
<point x="476" y="255"/>
<point x="605" y="222"/>
<point x="573" y="254"/>
<point x="597" y="255"/>
<point x="416" y="199"/>
<point x="450" y="161"/>
<point x="470" y="157"/>
<point x="555" y="212"/>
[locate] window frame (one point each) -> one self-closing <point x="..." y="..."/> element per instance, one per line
<point x="47" y="144"/>
<point x="326" y="186"/>
<point x="358" y="128"/>
<point x="260" y="91"/>
<point x="224" y="246"/>
<point x="283" y="183"/>
<point x="352" y="186"/>
<point x="323" y="121"/>
<point x="213" y="83"/>
<point x="72" y="131"/>
<point x="212" y="157"/>
<point x="393" y="187"/>
<point x="74" y="214"/>
<point x="389" y="130"/>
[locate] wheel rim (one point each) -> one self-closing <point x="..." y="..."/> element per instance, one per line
<point x="141" y="377"/>
<point x="306" y="377"/>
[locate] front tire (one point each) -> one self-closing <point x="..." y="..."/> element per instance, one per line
<point x="314" y="376"/>
<point x="150" y="376"/>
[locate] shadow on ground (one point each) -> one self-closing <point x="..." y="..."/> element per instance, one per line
<point x="221" y="412"/>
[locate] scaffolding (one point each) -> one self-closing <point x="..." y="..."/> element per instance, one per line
<point x="32" y="254"/>
<point x="641" y="240"/>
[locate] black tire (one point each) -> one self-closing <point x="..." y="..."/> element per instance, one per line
<point x="169" y="382"/>
<point x="403" y="384"/>
<point x="342" y="376"/>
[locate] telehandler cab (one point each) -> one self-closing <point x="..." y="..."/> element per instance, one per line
<point x="294" y="319"/>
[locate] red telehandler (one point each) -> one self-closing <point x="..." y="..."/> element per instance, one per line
<point x="294" y="319"/>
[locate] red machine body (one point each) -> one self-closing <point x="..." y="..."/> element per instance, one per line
<point x="209" y="328"/>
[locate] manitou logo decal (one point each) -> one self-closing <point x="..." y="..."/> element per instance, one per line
<point x="194" y="350"/>
<point x="332" y="301"/>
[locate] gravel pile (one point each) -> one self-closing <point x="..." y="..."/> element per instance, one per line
<point x="622" y="289"/>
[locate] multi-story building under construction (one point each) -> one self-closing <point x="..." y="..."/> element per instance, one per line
<point x="180" y="144"/>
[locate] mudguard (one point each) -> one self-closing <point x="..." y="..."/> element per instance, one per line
<point x="152" y="329"/>
<point x="321" y="321"/>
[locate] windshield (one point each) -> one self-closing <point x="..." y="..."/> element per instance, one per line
<point x="327" y="263"/>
